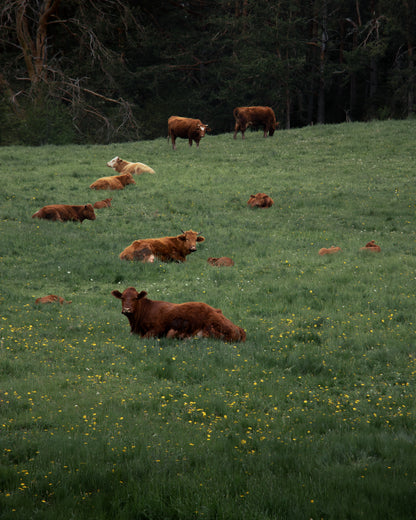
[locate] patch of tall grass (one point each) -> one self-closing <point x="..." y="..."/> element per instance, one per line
<point x="312" y="417"/>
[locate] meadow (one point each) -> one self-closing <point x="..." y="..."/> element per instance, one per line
<point x="313" y="417"/>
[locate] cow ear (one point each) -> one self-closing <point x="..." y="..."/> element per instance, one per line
<point x="116" y="294"/>
<point x="200" y="239"/>
<point x="182" y="237"/>
<point x="141" y="295"/>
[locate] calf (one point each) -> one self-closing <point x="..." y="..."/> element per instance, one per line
<point x="122" y="166"/>
<point x="186" y="128"/>
<point x="51" y="298"/>
<point x="154" y="318"/>
<point x="65" y="212"/>
<point x="254" y="116"/>
<point x="371" y="247"/>
<point x="106" y="203"/>
<point x="260" y="200"/>
<point x="329" y="251"/>
<point x="114" y="182"/>
<point x="222" y="261"/>
<point x="167" y="249"/>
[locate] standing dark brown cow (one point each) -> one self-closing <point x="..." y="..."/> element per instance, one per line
<point x="167" y="249"/>
<point x="254" y="116"/>
<point x="65" y="212"/>
<point x="186" y="128"/>
<point x="153" y="318"/>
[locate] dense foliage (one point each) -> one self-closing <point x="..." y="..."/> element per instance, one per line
<point x="116" y="70"/>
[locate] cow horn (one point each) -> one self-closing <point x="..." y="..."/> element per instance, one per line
<point x="182" y="231"/>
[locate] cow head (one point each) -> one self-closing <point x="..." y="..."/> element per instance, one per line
<point x="114" y="162"/>
<point x="88" y="212"/>
<point x="203" y="129"/>
<point x="126" y="178"/>
<point x="190" y="238"/>
<point x="129" y="299"/>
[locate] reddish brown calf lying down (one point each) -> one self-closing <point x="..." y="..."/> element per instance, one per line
<point x="106" y="203"/>
<point x="122" y="166"/>
<point x="65" y="212"/>
<point x="167" y="249"/>
<point x="372" y="247"/>
<point x="114" y="182"/>
<point x="260" y="200"/>
<point x="222" y="261"/>
<point x="154" y="318"/>
<point x="329" y="251"/>
<point x="52" y="298"/>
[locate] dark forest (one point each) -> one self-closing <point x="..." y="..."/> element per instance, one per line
<point x="82" y="71"/>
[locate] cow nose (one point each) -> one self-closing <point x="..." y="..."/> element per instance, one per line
<point x="126" y="310"/>
<point x="192" y="248"/>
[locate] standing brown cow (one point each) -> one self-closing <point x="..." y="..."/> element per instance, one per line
<point x="154" y="318"/>
<point x="186" y="128"/>
<point x="65" y="212"/>
<point x="167" y="249"/>
<point x="254" y="116"/>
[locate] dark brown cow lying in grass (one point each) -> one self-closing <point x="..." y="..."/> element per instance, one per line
<point x="186" y="128"/>
<point x="167" y="249"/>
<point x="114" y="182"/>
<point x="122" y="166"/>
<point x="51" y="298"/>
<point x="371" y="247"/>
<point x="260" y="200"/>
<point x="152" y="318"/>
<point x="106" y="203"/>
<point x="222" y="261"/>
<point x="329" y="251"/>
<point x="254" y="116"/>
<point x="65" y="212"/>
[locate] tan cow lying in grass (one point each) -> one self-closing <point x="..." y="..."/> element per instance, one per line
<point x="122" y="166"/>
<point x="167" y="249"/>
<point x="115" y="182"/>
<point x="222" y="261"/>
<point x="329" y="251"/>
<point x="52" y="298"/>
<point x="65" y="212"/>
<point x="371" y="247"/>
<point x="260" y="200"/>
<point x="106" y="203"/>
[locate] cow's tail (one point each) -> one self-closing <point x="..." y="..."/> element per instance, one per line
<point x="235" y="112"/>
<point x="35" y="214"/>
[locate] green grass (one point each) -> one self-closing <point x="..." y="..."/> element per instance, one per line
<point x="312" y="417"/>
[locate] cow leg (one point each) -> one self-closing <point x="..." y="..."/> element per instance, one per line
<point x="173" y="142"/>
<point x="236" y="129"/>
<point x="190" y="142"/>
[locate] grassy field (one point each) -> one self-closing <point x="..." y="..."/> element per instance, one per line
<point x="313" y="417"/>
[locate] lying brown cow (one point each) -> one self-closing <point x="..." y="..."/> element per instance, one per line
<point x="65" y="212"/>
<point x="144" y="255"/>
<point x="371" y="247"/>
<point x="222" y="261"/>
<point x="167" y="249"/>
<point x="122" y="166"/>
<point x="260" y="200"/>
<point x="329" y="251"/>
<point x="186" y="128"/>
<point x="51" y="298"/>
<point x="114" y="182"/>
<point x="106" y="203"/>
<point x="152" y="318"/>
<point x="254" y="116"/>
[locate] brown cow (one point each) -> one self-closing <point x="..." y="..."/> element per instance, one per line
<point x="186" y="128"/>
<point x="371" y="247"/>
<point x="254" y="116"/>
<point x="65" y="212"/>
<point x="114" y="182"/>
<point x="329" y="251"/>
<point x="167" y="249"/>
<point x="260" y="200"/>
<point x="122" y="166"/>
<point x="106" y="203"/>
<point x="222" y="261"/>
<point x="144" y="255"/>
<point x="51" y="298"/>
<point x="152" y="318"/>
